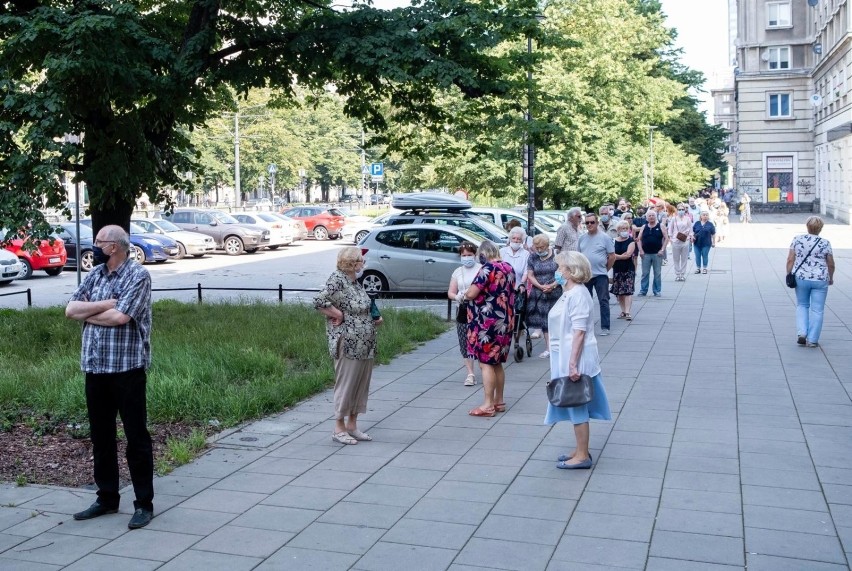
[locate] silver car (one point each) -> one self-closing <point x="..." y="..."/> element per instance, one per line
<point x="10" y="266"/>
<point x="413" y="257"/>
<point x="189" y="243"/>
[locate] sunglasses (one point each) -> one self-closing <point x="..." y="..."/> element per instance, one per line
<point x="592" y="223"/>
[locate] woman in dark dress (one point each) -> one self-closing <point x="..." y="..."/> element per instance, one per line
<point x="544" y="291"/>
<point x="624" y="269"/>
<point x="489" y="320"/>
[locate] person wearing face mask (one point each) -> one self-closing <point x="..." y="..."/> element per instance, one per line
<point x="544" y="290"/>
<point x="351" y="332"/>
<point x="515" y="254"/>
<point x="606" y="224"/>
<point x="624" y="270"/>
<point x="574" y="352"/>
<point x="461" y="279"/>
<point x="693" y="210"/>
<point x="114" y="305"/>
<point x="680" y="233"/>
<point x="703" y="238"/>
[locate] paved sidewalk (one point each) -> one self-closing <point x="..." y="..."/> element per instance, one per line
<point x="731" y="446"/>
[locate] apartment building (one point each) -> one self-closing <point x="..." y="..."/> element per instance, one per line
<point x="725" y="115"/>
<point x="793" y="112"/>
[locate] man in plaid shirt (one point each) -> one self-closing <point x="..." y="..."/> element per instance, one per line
<point x="114" y="305"/>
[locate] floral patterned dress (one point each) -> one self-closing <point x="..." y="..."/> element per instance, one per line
<point x="356" y="336"/>
<point x="490" y="315"/>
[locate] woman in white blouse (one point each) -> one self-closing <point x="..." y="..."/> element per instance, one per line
<point x="574" y="351"/>
<point x="812" y="260"/>
<point x="516" y="255"/>
<point x="461" y="279"/>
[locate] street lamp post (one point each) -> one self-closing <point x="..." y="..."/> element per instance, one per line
<point x="651" y="174"/>
<point x="76" y="140"/>
<point x="529" y="149"/>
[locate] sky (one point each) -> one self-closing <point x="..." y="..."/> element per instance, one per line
<point x="702" y="28"/>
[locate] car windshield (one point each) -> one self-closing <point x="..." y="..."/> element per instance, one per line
<point x="470" y="235"/>
<point x="137" y="229"/>
<point x="268" y="217"/>
<point x="224" y="218"/>
<point x="492" y="228"/>
<point x="85" y="231"/>
<point x="547" y="222"/>
<point x="167" y="226"/>
<point x="335" y="212"/>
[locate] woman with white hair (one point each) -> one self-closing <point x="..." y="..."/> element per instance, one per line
<point x="574" y="352"/>
<point x="703" y="238"/>
<point x="516" y="255"/>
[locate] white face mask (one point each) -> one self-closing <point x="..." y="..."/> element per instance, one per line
<point x="359" y="273"/>
<point x="624" y="234"/>
<point x="515" y="246"/>
<point x="468" y="261"/>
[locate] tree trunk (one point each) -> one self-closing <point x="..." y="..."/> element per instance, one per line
<point x="117" y="213"/>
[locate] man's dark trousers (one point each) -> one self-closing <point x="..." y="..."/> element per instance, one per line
<point x="600" y="285"/>
<point x="122" y="393"/>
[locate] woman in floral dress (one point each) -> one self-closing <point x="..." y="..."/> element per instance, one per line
<point x="351" y="334"/>
<point x="489" y="333"/>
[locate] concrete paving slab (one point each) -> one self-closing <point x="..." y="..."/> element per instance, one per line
<point x="386" y="556"/>
<point x="53" y="548"/>
<point x="613" y="553"/>
<point x="444" y="535"/>
<point x="610" y="526"/>
<point x="245" y="541"/>
<point x="499" y="554"/>
<point x="98" y="562"/>
<point x="192" y="560"/>
<point x="696" y="547"/>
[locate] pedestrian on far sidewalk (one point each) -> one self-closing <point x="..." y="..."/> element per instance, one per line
<point x="703" y="238"/>
<point x="653" y="238"/>
<point x="599" y="249"/>
<point x="812" y="261"/>
<point x="114" y="305"/>
<point x="574" y="352"/>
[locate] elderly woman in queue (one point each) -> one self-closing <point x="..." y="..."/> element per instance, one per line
<point x="703" y="238"/>
<point x="574" y="352"/>
<point x="680" y="235"/>
<point x="624" y="269"/>
<point x="544" y="291"/>
<point x="351" y="332"/>
<point x="489" y="330"/>
<point x="462" y="279"/>
<point x="516" y="255"/>
<point x="811" y="259"/>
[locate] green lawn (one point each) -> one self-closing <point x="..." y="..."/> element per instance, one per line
<point x="230" y="363"/>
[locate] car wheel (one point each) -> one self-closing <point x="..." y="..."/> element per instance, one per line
<point x="26" y="269"/>
<point x="374" y="282"/>
<point x="53" y="271"/>
<point x="138" y="254"/>
<point x="320" y="233"/>
<point x="198" y="255"/>
<point x="181" y="252"/>
<point x="251" y="250"/>
<point x="87" y="261"/>
<point x="233" y="246"/>
<point x="273" y="247"/>
<point x="361" y="235"/>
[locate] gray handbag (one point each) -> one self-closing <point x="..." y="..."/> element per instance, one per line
<point x="564" y="392"/>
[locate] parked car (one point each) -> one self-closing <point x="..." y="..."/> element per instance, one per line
<point x="300" y="231"/>
<point x="280" y="234"/>
<point x="145" y="247"/>
<point x="69" y="235"/>
<point x="462" y="219"/>
<point x="188" y="243"/>
<point x="559" y="215"/>
<point x="358" y="231"/>
<point x="10" y="266"/>
<point x="502" y="216"/>
<point x="263" y="204"/>
<point x="323" y="222"/>
<point x="49" y="256"/>
<point x="380" y="199"/>
<point x="412" y="257"/>
<point x="227" y="233"/>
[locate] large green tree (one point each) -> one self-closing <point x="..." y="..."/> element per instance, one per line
<point x="135" y="76"/>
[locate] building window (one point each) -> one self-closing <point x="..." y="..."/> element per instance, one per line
<point x="778" y="14"/>
<point x="779" y="58"/>
<point x="779" y="105"/>
<point x="726" y="98"/>
<point x="779" y="179"/>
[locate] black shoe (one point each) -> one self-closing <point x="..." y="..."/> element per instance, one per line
<point x="141" y="518"/>
<point x="93" y="511"/>
<point x="801" y="340"/>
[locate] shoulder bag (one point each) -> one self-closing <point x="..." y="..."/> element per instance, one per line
<point x="564" y="392"/>
<point x="461" y="313"/>
<point x="791" y="277"/>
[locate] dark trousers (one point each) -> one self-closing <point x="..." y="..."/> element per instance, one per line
<point x="600" y="285"/>
<point x="122" y="393"/>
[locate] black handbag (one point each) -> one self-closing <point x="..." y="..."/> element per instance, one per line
<point x="564" y="392"/>
<point x="790" y="278"/>
<point x="461" y="314"/>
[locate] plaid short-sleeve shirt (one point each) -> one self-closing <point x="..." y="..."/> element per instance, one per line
<point x="124" y="347"/>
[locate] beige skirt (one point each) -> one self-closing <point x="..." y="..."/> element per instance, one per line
<point x="351" y="386"/>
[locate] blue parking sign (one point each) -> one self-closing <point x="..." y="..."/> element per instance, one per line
<point x="377" y="169"/>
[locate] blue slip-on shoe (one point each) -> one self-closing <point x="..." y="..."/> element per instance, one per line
<point x="565" y="458"/>
<point x="581" y="466"/>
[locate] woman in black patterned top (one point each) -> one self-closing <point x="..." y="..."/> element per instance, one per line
<point x="812" y="260"/>
<point x="351" y="341"/>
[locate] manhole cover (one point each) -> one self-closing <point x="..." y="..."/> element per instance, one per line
<point x="248" y="439"/>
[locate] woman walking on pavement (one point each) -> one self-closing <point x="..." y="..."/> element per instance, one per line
<point x="461" y="279"/>
<point x="812" y="261"/>
<point x="574" y="352"/>
<point x="489" y="330"/>
<point x="703" y="238"/>
<point x="680" y="233"/>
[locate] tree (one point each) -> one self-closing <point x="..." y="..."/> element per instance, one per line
<point x="135" y="77"/>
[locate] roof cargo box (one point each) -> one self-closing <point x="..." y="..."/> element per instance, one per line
<point x="429" y="201"/>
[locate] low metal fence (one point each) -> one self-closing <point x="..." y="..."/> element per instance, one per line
<point x="27" y="292"/>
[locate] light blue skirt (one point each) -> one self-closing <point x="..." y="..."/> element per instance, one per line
<point x="597" y="409"/>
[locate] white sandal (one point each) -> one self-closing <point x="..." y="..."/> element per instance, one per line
<point x="470" y="381"/>
<point x="343" y="438"/>
<point x="358" y="435"/>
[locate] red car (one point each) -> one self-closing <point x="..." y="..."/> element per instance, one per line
<point x="48" y="257"/>
<point x="322" y="222"/>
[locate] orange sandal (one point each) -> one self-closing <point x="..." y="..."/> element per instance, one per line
<point x="479" y="411"/>
<point x="500" y="407"/>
